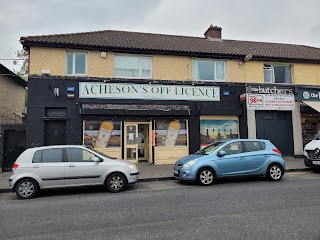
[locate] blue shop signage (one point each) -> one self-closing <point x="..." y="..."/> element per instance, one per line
<point x="308" y="94"/>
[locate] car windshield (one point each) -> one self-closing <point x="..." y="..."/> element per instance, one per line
<point x="209" y="149"/>
<point x="317" y="136"/>
<point x="101" y="153"/>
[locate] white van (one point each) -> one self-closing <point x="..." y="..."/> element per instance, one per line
<point x="312" y="153"/>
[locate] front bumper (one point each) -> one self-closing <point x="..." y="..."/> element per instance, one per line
<point x="183" y="174"/>
<point x="133" y="178"/>
<point x="309" y="163"/>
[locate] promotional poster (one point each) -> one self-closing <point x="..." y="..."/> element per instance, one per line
<point x="170" y="133"/>
<point x="214" y="130"/>
<point x="102" y="134"/>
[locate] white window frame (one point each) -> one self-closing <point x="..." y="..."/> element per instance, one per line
<point x="214" y="69"/>
<point x="74" y="65"/>
<point x="134" y="55"/>
<point x="271" y="68"/>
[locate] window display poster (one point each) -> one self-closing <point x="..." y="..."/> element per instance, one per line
<point x="171" y="132"/>
<point x="214" y="130"/>
<point x="102" y="134"/>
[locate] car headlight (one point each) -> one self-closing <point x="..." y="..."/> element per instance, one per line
<point x="190" y="163"/>
<point x="132" y="167"/>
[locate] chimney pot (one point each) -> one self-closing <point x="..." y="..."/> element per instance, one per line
<point x="213" y="32"/>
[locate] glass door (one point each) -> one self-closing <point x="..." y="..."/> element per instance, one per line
<point x="131" y="142"/>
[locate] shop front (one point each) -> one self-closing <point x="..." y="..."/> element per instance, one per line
<point x="271" y="114"/>
<point x="137" y="121"/>
<point x="309" y="101"/>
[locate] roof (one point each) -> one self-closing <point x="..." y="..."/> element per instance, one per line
<point x="177" y="45"/>
<point x="10" y="75"/>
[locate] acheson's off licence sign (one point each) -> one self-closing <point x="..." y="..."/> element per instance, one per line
<point x="148" y="91"/>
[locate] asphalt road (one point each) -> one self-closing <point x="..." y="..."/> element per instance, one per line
<point x="232" y="209"/>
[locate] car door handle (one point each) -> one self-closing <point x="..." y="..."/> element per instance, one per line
<point x="71" y="165"/>
<point x="36" y="166"/>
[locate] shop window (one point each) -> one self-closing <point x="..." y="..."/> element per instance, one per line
<point x="310" y="126"/>
<point x="132" y="66"/>
<point x="217" y="128"/>
<point x="277" y="73"/>
<point x="76" y="63"/>
<point x="171" y="133"/>
<point x="208" y="70"/>
<point x="102" y="134"/>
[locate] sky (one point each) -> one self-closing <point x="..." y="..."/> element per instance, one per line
<point x="282" y="21"/>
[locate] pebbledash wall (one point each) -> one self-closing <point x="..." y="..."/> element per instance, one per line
<point x="206" y="111"/>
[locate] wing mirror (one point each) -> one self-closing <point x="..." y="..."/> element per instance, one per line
<point x="221" y="153"/>
<point x="96" y="159"/>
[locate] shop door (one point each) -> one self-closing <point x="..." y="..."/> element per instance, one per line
<point x="55" y="133"/>
<point x="276" y="126"/>
<point x="131" y="142"/>
<point x="143" y="142"/>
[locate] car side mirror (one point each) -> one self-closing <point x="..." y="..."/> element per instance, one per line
<point x="221" y="153"/>
<point x="96" y="159"/>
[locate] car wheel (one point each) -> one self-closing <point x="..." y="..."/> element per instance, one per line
<point x="26" y="188"/>
<point x="206" y="176"/>
<point x="274" y="172"/>
<point x="116" y="182"/>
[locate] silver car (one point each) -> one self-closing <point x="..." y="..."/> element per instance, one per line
<point x="68" y="166"/>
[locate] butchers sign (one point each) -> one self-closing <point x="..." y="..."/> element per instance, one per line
<point x="270" y="98"/>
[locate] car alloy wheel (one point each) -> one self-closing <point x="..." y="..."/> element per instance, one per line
<point x="205" y="176"/>
<point x="26" y="188"/>
<point x="116" y="182"/>
<point x="274" y="172"/>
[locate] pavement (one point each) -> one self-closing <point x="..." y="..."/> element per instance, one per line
<point x="150" y="172"/>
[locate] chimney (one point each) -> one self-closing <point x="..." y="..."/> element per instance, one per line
<point x="213" y="32"/>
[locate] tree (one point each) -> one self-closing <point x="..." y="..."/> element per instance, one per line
<point x="22" y="61"/>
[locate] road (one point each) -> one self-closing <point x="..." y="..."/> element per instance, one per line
<point x="231" y="209"/>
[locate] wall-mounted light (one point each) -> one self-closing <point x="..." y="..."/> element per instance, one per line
<point x="103" y="54"/>
<point x="56" y="92"/>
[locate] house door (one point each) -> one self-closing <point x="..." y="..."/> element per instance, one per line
<point x="14" y="145"/>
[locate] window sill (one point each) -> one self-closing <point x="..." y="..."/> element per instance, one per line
<point x="133" y="77"/>
<point x="77" y="75"/>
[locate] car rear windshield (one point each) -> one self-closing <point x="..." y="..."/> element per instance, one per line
<point x="209" y="149"/>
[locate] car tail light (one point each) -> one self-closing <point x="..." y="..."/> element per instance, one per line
<point x="15" y="166"/>
<point x="276" y="151"/>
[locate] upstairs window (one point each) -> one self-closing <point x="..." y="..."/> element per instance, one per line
<point x="132" y="66"/>
<point x="208" y="70"/>
<point x="76" y="63"/>
<point x="277" y="73"/>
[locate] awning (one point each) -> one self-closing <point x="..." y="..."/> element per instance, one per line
<point x="314" y="105"/>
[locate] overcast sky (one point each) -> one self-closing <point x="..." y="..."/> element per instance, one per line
<point x="283" y="21"/>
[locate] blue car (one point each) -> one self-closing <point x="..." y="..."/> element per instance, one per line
<point x="231" y="158"/>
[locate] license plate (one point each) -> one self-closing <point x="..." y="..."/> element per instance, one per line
<point x="175" y="172"/>
<point x="316" y="162"/>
